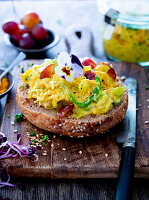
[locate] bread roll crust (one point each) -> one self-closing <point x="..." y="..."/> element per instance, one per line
<point x="85" y="126"/>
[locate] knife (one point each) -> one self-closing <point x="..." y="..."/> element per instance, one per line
<point x="127" y="136"/>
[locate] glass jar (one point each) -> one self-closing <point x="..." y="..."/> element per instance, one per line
<point x="126" y="35"/>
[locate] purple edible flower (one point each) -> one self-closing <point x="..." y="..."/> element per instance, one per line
<point x="69" y="66"/>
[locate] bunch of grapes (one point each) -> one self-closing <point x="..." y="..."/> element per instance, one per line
<point x="29" y="34"/>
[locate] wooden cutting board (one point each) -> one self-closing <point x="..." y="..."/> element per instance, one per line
<point x="96" y="157"/>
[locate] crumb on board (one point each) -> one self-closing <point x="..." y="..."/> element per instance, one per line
<point x="15" y="131"/>
<point x="65" y="159"/>
<point x="146" y="122"/>
<point x="64" y="149"/>
<point x="80" y="152"/>
<point x="137" y="108"/>
<point x="44" y="154"/>
<point x="106" y="155"/>
<point x="12" y="123"/>
<point x="52" y="145"/>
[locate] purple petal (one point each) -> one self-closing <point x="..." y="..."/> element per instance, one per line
<point x="63" y="77"/>
<point x="77" y="70"/>
<point x="75" y="59"/>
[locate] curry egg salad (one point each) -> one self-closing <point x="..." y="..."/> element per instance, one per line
<point x="73" y="87"/>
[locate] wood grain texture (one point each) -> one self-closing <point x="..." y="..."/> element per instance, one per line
<point x="92" y="163"/>
<point x="99" y="189"/>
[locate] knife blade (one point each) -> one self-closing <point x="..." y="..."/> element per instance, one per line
<point x="127" y="136"/>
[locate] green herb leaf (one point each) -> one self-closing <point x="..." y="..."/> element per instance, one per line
<point x="27" y="78"/>
<point x="32" y="133"/>
<point x="22" y="86"/>
<point x="8" y="116"/>
<point x="19" y="117"/>
<point x="147" y="87"/>
<point x="33" y="141"/>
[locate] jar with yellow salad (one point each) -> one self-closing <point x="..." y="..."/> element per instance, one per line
<point x="126" y="35"/>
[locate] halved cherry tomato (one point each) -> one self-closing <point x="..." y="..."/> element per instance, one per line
<point x="89" y="62"/>
<point x="47" y="72"/>
<point x="65" y="110"/>
<point x="105" y="63"/>
<point x="111" y="72"/>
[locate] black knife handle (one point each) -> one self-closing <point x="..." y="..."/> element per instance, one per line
<point x="125" y="177"/>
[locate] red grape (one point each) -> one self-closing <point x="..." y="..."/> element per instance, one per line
<point x="15" y="39"/>
<point x="39" y="32"/>
<point x="26" y="42"/>
<point x="89" y="75"/>
<point x="11" y="28"/>
<point x="89" y="62"/>
<point x="23" y="29"/>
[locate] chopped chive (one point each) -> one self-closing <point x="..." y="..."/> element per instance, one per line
<point x="147" y="87"/>
<point x="45" y="139"/>
<point x="44" y="143"/>
<point x="8" y="116"/>
<point x="32" y="133"/>
<point x="30" y="143"/>
<point x="19" y="65"/>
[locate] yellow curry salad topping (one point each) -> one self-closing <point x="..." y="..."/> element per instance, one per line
<point x="72" y="88"/>
<point x="130" y="45"/>
<point x="4" y="85"/>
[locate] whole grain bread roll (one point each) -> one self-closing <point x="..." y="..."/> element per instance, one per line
<point x="85" y="126"/>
